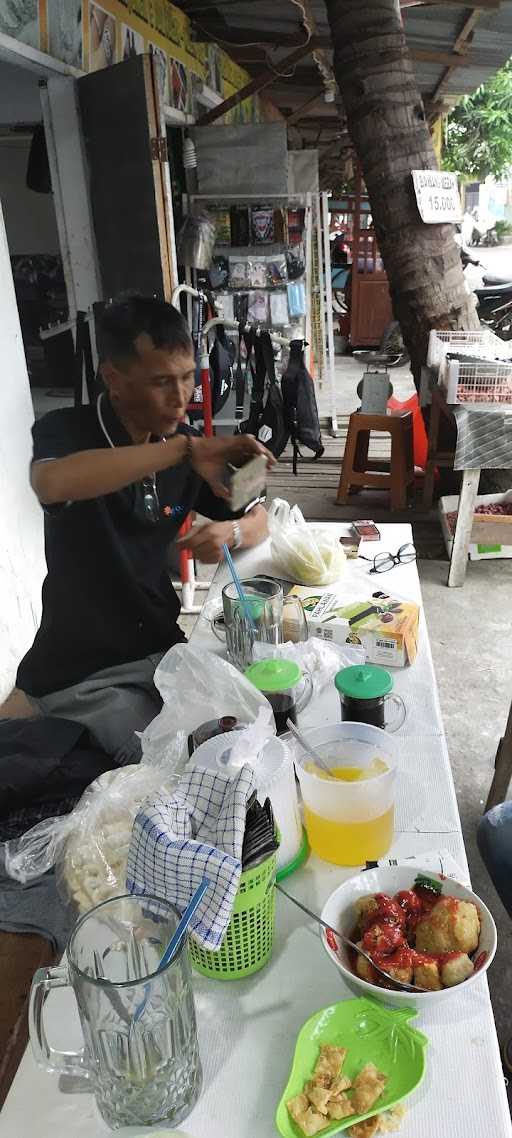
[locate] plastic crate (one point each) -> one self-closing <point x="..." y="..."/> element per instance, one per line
<point x="483" y="382"/>
<point x="481" y="342"/>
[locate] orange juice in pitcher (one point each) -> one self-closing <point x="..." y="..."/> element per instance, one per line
<point x="349" y="812"/>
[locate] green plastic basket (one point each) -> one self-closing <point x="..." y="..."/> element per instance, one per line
<point x="247" y="944"/>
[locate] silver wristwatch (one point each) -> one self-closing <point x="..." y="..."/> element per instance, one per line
<point x="237" y="536"/>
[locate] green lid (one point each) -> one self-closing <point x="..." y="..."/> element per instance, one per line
<point x="274" y="675"/>
<point x="363" y="681"/>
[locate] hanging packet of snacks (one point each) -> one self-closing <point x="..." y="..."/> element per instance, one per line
<point x="257" y="312"/>
<point x="296" y="262"/>
<point x="262" y="224"/>
<point x="258" y="272"/>
<point x="277" y="269"/>
<point x="222" y="223"/>
<point x="218" y="273"/>
<point x="278" y="308"/>
<point x="240" y="307"/>
<point x="280" y="225"/>
<point x="240" y="227"/>
<point x="239" y="272"/>
<point x="224" y="303"/>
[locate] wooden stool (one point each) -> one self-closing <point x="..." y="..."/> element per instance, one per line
<point x="359" y="471"/>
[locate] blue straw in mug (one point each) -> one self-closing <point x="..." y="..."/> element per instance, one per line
<point x="170" y="951"/>
<point x="178" y="935"/>
<point x="238" y="586"/>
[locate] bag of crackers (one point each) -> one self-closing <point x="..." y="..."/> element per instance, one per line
<point x="89" y="846"/>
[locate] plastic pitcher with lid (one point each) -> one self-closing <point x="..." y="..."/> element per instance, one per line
<point x="349" y="813"/>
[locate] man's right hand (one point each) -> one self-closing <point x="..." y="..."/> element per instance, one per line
<point x="210" y="456"/>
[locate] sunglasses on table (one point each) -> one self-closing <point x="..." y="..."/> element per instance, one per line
<point x="383" y="562"/>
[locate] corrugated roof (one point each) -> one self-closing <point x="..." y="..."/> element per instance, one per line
<point x="269" y="30"/>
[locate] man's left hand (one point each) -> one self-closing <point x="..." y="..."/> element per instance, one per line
<point x="205" y="542"/>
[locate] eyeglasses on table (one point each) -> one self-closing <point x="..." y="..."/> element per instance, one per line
<point x="383" y="562"/>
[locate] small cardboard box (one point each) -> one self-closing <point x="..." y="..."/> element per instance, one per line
<point x="386" y="626"/>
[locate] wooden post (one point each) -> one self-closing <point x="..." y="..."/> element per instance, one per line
<point x="503" y="768"/>
<point x="462" y="536"/>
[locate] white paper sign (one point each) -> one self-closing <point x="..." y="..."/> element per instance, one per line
<point x="437" y="195"/>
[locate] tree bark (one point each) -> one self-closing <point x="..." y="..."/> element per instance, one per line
<point x="386" y="121"/>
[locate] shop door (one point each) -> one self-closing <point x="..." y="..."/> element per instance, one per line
<point x="129" y="187"/>
<point x="371" y="310"/>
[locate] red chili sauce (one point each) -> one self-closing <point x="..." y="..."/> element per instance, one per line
<point x="389" y="928"/>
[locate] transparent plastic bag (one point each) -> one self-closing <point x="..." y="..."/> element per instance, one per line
<point x="196" y="686"/>
<point x="319" y="659"/>
<point x="89" y="846"/>
<point x="304" y="554"/>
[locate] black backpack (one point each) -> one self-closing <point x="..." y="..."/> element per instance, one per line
<point x="266" y="418"/>
<point x="299" y="404"/>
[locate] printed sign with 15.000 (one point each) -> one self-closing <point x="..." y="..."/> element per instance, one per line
<point x="437" y="195"/>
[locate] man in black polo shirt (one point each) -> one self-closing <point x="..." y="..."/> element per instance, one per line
<point x="116" y="480"/>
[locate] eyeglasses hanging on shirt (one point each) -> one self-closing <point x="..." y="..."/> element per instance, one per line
<point x="146" y="511"/>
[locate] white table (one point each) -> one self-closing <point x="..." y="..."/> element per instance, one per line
<point x="247" y="1029"/>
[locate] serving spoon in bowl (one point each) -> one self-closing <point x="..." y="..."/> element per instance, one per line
<point x="398" y="985"/>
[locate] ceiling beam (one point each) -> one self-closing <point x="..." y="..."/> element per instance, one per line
<point x="264" y="79"/>
<point x="461" y="46"/>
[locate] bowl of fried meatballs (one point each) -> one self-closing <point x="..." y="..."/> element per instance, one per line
<point x="418" y="926"/>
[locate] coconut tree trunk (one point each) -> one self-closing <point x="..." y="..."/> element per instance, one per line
<point x="386" y="121"/>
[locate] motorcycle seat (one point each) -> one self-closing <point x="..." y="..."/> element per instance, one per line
<point x="498" y="290"/>
<point x="489" y="279"/>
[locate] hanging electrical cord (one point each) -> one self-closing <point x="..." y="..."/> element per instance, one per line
<point x="319" y="56"/>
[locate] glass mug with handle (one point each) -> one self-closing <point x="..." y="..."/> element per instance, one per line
<point x="263" y="620"/>
<point x="140" y="1052"/>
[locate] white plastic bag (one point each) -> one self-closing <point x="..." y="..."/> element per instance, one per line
<point x="89" y="846"/>
<point x="197" y="686"/>
<point x="304" y="554"/>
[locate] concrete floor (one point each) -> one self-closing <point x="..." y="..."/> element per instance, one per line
<point x="471" y="646"/>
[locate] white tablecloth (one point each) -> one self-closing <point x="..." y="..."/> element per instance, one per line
<point x="247" y="1029"/>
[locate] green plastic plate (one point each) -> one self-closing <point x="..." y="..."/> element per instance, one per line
<point x="372" y="1034"/>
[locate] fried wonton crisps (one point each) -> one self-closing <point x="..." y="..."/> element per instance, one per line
<point x="342" y="1083"/>
<point x="340" y="1107"/>
<point x="392" y="1119"/>
<point x="331" y="1060"/>
<point x="324" y="1097"/>
<point x="319" y="1094"/>
<point x="365" y="1129"/>
<point x="312" y="1122"/>
<point x="302" y="1113"/>
<point x="368" y="1087"/>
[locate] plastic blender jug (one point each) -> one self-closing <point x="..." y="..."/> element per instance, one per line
<point x="349" y="815"/>
<point x="279" y="681"/>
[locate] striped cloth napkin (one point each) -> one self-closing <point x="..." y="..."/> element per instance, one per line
<point x="195" y="833"/>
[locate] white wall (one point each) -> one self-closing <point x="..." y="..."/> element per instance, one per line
<point x="22" y="565"/>
<point x="29" y="217"/>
